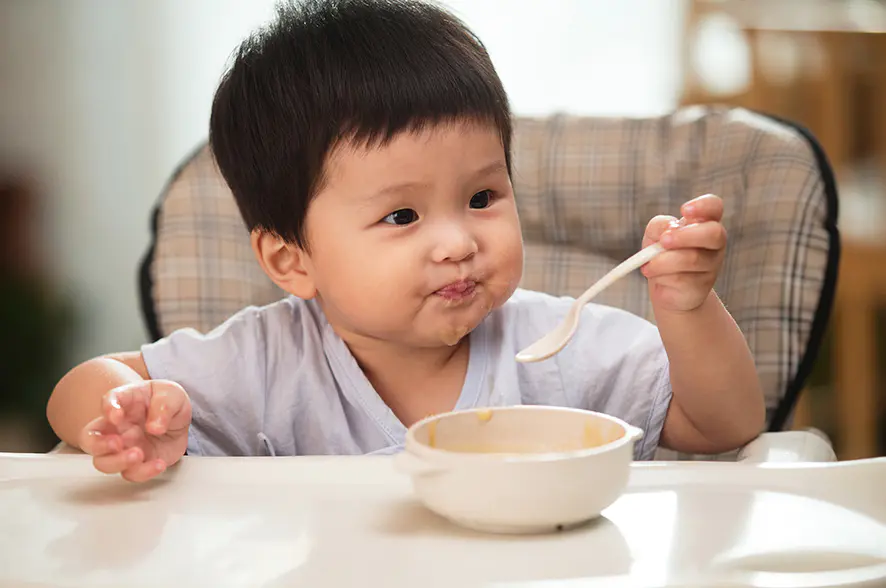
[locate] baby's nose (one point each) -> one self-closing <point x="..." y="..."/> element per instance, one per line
<point x="454" y="243"/>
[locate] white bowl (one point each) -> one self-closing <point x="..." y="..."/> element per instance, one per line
<point x="519" y="469"/>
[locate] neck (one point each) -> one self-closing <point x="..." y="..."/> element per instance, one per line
<point x="378" y="357"/>
<point x="413" y="382"/>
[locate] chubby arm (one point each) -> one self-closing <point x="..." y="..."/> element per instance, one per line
<point x="77" y="398"/>
<point x="130" y="425"/>
<point x="717" y="403"/>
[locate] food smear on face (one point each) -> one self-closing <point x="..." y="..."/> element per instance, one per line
<point x="452" y="335"/>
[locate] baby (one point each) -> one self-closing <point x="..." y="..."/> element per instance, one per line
<point x="368" y="146"/>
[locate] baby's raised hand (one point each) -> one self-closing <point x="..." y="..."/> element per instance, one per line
<point x="682" y="277"/>
<point x="142" y="431"/>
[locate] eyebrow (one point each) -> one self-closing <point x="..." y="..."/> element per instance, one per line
<point x="497" y="166"/>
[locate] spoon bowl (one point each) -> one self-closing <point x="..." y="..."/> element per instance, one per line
<point x="556" y="340"/>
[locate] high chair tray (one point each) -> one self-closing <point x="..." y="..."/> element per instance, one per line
<point x="331" y="522"/>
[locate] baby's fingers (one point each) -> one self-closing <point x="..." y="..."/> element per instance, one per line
<point x="120" y="461"/>
<point x="657" y="227"/>
<point x="681" y="261"/>
<point x="703" y="208"/>
<point x="144" y="471"/>
<point x="706" y="235"/>
<point x="168" y="400"/>
<point x="124" y="403"/>
<point x="100" y="437"/>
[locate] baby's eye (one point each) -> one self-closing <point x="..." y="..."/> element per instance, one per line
<point x="481" y="199"/>
<point x="404" y="216"/>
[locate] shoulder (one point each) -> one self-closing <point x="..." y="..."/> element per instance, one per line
<point x="234" y="371"/>
<point x="245" y="337"/>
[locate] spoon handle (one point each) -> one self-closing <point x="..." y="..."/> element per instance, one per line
<point x="635" y="261"/>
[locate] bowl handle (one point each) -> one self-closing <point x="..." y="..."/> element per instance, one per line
<point x="634" y="433"/>
<point x="413" y="465"/>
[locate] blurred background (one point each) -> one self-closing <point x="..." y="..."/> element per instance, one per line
<point x="100" y="100"/>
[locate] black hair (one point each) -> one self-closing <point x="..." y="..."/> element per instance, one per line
<point x="327" y="71"/>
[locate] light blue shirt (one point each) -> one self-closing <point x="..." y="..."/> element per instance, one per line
<point x="277" y="380"/>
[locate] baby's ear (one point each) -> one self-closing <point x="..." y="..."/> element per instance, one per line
<point x="285" y="263"/>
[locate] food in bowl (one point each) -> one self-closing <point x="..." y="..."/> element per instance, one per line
<point x="521" y="468"/>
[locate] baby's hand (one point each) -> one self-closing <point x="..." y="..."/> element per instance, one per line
<point x="682" y="277"/>
<point x="142" y="431"/>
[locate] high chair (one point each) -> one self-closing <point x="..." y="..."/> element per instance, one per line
<point x="585" y="189"/>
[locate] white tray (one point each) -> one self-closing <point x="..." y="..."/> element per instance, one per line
<point x="329" y="522"/>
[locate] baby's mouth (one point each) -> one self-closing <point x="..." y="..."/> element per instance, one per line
<point x="457" y="291"/>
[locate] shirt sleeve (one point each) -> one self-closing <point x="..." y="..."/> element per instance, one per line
<point x="224" y="374"/>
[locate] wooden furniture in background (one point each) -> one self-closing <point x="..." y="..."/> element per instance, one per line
<point x="861" y="291"/>
<point x="818" y="62"/>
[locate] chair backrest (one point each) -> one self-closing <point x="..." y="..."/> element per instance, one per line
<point x="585" y="187"/>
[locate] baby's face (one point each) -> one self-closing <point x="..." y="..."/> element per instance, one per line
<point x="417" y="241"/>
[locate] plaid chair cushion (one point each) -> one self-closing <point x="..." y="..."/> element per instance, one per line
<point x="200" y="269"/>
<point x="585" y="188"/>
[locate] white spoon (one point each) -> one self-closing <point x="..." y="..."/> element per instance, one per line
<point x="557" y="339"/>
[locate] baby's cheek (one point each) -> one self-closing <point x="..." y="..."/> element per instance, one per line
<point x="512" y="267"/>
<point x="388" y="281"/>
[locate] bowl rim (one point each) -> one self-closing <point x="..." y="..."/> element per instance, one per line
<point x="411" y="444"/>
